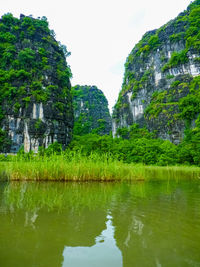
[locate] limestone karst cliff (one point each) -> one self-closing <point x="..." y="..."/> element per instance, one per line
<point x="91" y="113"/>
<point x="161" y="87"/>
<point x="35" y="98"/>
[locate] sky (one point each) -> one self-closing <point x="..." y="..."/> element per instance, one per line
<point x="100" y="34"/>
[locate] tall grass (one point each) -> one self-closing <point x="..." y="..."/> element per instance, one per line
<point x="76" y="167"/>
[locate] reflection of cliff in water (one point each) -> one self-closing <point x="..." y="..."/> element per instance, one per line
<point x="103" y="253"/>
<point x="39" y="220"/>
<point x="155" y="228"/>
<point x="47" y="236"/>
<point x="38" y="238"/>
<point x="42" y="219"/>
<point x="51" y="224"/>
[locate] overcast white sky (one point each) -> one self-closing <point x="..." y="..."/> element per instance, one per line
<point x="99" y="33"/>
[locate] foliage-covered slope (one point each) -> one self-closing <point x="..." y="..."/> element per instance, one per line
<point x="90" y="111"/>
<point x="35" y="98"/>
<point x="161" y="87"/>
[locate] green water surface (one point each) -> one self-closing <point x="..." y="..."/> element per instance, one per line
<point x="100" y="224"/>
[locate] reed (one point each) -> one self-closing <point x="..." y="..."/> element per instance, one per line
<point x="76" y="167"/>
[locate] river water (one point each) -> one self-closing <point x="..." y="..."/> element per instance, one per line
<point x="100" y="224"/>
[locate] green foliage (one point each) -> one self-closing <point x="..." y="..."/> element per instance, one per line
<point x="82" y="125"/>
<point x="140" y="148"/>
<point x="154" y="42"/>
<point x="189" y="149"/>
<point x="101" y="128"/>
<point x="134" y="132"/>
<point x="192" y="32"/>
<point x="27" y="61"/>
<point x="27" y="58"/>
<point x="52" y="149"/>
<point x="156" y="105"/>
<point x="27" y="99"/>
<point x="7" y="37"/>
<point x="189" y="106"/>
<point x="177" y="58"/>
<point x="17" y="106"/>
<point x="123" y="132"/>
<point x="176" y="37"/>
<point x="149" y="42"/>
<point x="38" y="124"/>
<point x="136" y="146"/>
<point x="60" y="106"/>
<point x="90" y="111"/>
<point x="39" y="93"/>
<point x="4" y="141"/>
<point x="169" y="76"/>
<point x="193" y="5"/>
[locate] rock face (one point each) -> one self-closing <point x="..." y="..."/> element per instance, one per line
<point x="35" y="91"/>
<point x="91" y="111"/>
<point x="161" y="81"/>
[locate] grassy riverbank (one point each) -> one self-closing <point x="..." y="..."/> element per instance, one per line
<point x="76" y="167"/>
